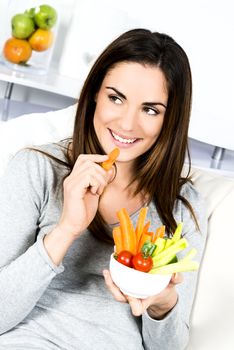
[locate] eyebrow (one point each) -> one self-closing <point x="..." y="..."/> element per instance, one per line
<point x="150" y="104"/>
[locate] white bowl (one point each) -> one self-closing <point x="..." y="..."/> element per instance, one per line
<point x="136" y="283"/>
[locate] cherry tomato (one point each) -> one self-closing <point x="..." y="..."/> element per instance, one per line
<point x="142" y="263"/>
<point x="125" y="258"/>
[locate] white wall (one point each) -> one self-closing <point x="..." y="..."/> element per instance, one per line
<point x="204" y="28"/>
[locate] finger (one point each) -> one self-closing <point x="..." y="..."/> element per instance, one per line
<point x="94" y="170"/>
<point x="94" y="189"/>
<point x="111" y="174"/>
<point x="176" y="278"/>
<point x="101" y="190"/>
<point x="135" y="304"/>
<point x="91" y="179"/>
<point x="95" y="158"/>
<point x="95" y="184"/>
<point x="117" y="294"/>
<point x="89" y="176"/>
<point x="78" y="186"/>
<point x="88" y="166"/>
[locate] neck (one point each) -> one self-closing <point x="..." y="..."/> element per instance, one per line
<point x="124" y="174"/>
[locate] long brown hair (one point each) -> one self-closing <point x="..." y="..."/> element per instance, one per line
<point x="158" y="171"/>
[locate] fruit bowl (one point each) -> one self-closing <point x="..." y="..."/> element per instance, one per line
<point x="30" y="32"/>
<point x="136" y="283"/>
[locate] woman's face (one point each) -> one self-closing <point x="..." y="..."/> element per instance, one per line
<point x="130" y="108"/>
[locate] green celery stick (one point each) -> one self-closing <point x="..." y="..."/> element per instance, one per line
<point x="173" y="260"/>
<point x="160" y="244"/>
<point x="190" y="255"/>
<point x="177" y="234"/>
<point x="168" y="243"/>
<point x="181" y="266"/>
<point x="167" y="254"/>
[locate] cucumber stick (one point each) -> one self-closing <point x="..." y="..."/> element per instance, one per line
<point x="160" y="245"/>
<point x="190" y="255"/>
<point x="164" y="256"/>
<point x="177" y="234"/>
<point x="181" y="266"/>
<point x="168" y="242"/>
<point x="167" y="254"/>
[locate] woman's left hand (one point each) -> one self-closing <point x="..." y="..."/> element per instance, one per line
<point x="157" y="306"/>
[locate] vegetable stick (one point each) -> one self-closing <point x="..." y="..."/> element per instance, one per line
<point x="177" y="234"/>
<point x="146" y="227"/>
<point x="159" y="233"/>
<point x="112" y="158"/>
<point x="189" y="255"/>
<point x="117" y="236"/>
<point x="128" y="232"/>
<point x="168" y="242"/>
<point x="145" y="230"/>
<point x="176" y="267"/>
<point x="146" y="236"/>
<point x="151" y="233"/>
<point x="141" y="223"/>
<point x="160" y="245"/>
<point x="166" y="255"/>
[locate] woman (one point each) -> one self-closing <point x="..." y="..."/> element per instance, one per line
<point x="58" y="208"/>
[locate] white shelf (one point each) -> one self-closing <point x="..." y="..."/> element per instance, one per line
<point x="201" y="156"/>
<point x="52" y="81"/>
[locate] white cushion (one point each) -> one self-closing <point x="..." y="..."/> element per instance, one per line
<point x="34" y="129"/>
<point x="213" y="312"/>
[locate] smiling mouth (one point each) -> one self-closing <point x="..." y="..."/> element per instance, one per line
<point x="122" y="139"/>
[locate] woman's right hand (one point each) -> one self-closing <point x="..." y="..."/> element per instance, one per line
<point x="82" y="190"/>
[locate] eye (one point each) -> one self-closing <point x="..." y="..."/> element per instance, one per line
<point x="115" y="99"/>
<point x="150" y="111"/>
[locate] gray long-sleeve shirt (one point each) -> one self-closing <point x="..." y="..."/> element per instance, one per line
<point x="43" y="306"/>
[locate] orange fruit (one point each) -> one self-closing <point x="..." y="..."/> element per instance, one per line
<point x="41" y="39"/>
<point x="17" y="50"/>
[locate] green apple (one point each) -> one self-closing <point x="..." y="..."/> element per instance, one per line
<point x="22" y="26"/>
<point x="45" y="17"/>
<point x="30" y="12"/>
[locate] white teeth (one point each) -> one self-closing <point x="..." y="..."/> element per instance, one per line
<point x="120" y="139"/>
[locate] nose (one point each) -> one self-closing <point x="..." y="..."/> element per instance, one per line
<point x="128" y="119"/>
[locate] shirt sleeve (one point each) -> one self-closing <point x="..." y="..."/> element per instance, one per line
<point x="25" y="267"/>
<point x="172" y="332"/>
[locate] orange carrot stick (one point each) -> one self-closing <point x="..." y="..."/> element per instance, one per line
<point x="112" y="158"/>
<point x="144" y="234"/>
<point x="141" y="223"/>
<point x="117" y="236"/>
<point x="159" y="233"/>
<point x="128" y="232"/>
<point x="146" y="227"/>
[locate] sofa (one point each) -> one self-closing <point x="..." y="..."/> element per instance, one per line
<point x="212" y="320"/>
